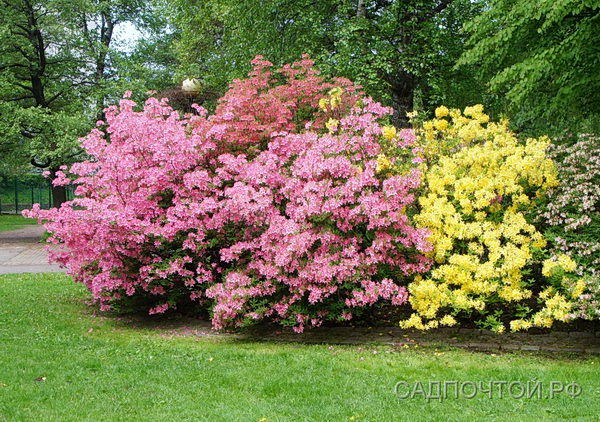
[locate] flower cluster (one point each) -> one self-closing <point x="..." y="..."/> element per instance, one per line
<point x="571" y="214"/>
<point x="587" y="305"/>
<point x="481" y="184"/>
<point x="274" y="206"/>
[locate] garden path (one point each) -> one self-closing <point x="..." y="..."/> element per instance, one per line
<point x="22" y="252"/>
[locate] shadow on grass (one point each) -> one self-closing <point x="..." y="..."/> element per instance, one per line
<point x="551" y="344"/>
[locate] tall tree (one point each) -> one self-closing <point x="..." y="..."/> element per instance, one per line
<point x="543" y="57"/>
<point x="58" y="66"/>
<point x="38" y="83"/>
<point x="98" y="22"/>
<point x="391" y="47"/>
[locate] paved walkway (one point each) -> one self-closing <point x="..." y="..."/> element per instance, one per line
<point x="22" y="252"/>
<point x="30" y="233"/>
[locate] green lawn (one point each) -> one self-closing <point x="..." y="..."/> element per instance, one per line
<point x="60" y="362"/>
<point x="13" y="222"/>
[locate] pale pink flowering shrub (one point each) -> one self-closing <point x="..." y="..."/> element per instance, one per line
<point x="260" y="210"/>
<point x="571" y="214"/>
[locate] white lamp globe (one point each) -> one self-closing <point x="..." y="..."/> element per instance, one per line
<point x="191" y="85"/>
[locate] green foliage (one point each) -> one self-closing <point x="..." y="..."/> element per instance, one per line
<point x="39" y="133"/>
<point x="402" y="52"/>
<point x="61" y="64"/>
<point x="571" y="214"/>
<point x="542" y="57"/>
<point x="39" y="110"/>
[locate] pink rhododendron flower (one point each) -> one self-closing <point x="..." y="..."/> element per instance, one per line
<point x="254" y="211"/>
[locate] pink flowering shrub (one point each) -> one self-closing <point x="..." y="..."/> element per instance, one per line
<point x="275" y="206"/>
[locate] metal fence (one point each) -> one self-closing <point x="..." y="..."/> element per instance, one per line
<point x="20" y="193"/>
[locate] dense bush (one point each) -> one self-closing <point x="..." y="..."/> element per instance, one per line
<point x="572" y="214"/>
<point x="481" y="184"/>
<point x="290" y="202"/>
<point x="294" y="202"/>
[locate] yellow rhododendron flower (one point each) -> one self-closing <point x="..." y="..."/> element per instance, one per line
<point x="332" y="125"/>
<point x="563" y="262"/>
<point x="519" y="324"/>
<point x="336" y="91"/>
<point x="336" y="96"/>
<point x="578" y="289"/>
<point x="441" y="124"/>
<point x="499" y="329"/>
<point x="383" y="163"/>
<point x="323" y="102"/>
<point x="480" y="185"/>
<point x="448" y="320"/>
<point x="441" y="111"/>
<point x="388" y="132"/>
<point x="335" y="102"/>
<point x="566" y="263"/>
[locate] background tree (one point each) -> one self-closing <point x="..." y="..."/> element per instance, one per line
<point x="40" y="105"/>
<point x="393" y="48"/>
<point x="59" y="64"/>
<point x="63" y="61"/>
<point x="114" y="66"/>
<point x="543" y="57"/>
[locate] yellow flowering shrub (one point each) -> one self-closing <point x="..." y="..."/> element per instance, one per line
<point x="480" y="183"/>
<point x="389" y="132"/>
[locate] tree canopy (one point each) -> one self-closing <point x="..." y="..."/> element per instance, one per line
<point x="400" y="51"/>
<point x="543" y="57"/>
<point x="63" y="61"/>
<point x="59" y="65"/>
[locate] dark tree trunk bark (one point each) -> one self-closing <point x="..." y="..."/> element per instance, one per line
<point x="106" y="34"/>
<point x="426" y="100"/>
<point x="402" y="90"/>
<point x="59" y="193"/>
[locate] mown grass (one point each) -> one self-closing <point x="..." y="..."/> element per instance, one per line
<point x="58" y="361"/>
<point x="14" y="222"/>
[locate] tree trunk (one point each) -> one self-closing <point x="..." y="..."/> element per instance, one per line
<point x="424" y="92"/>
<point x="402" y="90"/>
<point x="361" y="11"/>
<point x="59" y="193"/>
<point x="106" y="34"/>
